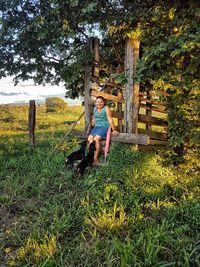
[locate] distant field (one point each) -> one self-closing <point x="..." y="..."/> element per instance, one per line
<point x="14" y="119"/>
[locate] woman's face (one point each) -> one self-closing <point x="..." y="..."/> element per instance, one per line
<point x="100" y="103"/>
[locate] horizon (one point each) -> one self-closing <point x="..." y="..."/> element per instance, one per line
<point x="69" y="102"/>
<point x="26" y="91"/>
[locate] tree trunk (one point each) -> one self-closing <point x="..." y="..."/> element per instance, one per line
<point x="131" y="89"/>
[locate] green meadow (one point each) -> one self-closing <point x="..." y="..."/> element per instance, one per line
<point x="139" y="210"/>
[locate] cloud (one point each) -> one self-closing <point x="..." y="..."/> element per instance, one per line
<point x="12" y="94"/>
<point x="52" y="95"/>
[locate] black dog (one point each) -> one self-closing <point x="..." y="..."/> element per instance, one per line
<point x="87" y="161"/>
<point x="76" y="155"/>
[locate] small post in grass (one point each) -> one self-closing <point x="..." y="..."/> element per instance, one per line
<point x="31" y="123"/>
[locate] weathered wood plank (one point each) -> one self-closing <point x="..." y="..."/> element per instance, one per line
<point x="136" y="86"/>
<point x="152" y="120"/>
<point x="95" y="69"/>
<point x="112" y="84"/>
<point x="151" y="101"/>
<point x="87" y="85"/>
<point x="154" y="135"/>
<point x="128" y="106"/>
<point x="153" y="108"/>
<point x="143" y="119"/>
<point x="130" y="138"/>
<point x="142" y="139"/>
<point x="151" y="134"/>
<point x="106" y="96"/>
<point x="154" y="93"/>
<point x="131" y="89"/>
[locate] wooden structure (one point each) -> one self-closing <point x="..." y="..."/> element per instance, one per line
<point x="139" y="113"/>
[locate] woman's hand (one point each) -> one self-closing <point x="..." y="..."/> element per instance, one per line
<point x="115" y="132"/>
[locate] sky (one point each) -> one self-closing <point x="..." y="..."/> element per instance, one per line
<point x="25" y="91"/>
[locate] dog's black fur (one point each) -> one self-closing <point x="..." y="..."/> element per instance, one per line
<point x="87" y="161"/>
<point x="76" y="155"/>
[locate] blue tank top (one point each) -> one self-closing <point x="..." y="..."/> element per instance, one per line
<point x="101" y="117"/>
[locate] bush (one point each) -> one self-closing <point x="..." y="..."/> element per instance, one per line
<point x="55" y="104"/>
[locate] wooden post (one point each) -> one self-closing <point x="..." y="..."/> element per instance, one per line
<point x="31" y="123"/>
<point x="137" y="139"/>
<point x="95" y="69"/>
<point x="131" y="106"/>
<point x="87" y="87"/>
<point x="119" y="109"/>
<point x="91" y="74"/>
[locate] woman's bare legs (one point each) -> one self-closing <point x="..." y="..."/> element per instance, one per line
<point x="97" y="138"/>
<point x="90" y="139"/>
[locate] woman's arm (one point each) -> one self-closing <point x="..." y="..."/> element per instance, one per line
<point x="93" y="121"/>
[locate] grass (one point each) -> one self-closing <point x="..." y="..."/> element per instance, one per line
<point x="138" y="211"/>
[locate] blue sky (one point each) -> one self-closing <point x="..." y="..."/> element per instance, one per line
<point x="26" y="91"/>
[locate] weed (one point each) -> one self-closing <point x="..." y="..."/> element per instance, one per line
<point x="138" y="211"/>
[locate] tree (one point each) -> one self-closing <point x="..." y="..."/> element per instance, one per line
<point x="171" y="61"/>
<point x="55" y="104"/>
<point x="44" y="41"/>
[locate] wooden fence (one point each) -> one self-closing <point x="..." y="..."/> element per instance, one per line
<point x="139" y="112"/>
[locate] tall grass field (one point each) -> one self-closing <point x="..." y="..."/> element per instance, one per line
<point x="139" y="210"/>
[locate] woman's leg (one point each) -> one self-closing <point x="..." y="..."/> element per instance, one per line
<point x="90" y="139"/>
<point x="96" y="154"/>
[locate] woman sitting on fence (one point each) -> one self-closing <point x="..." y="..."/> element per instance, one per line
<point x="101" y="121"/>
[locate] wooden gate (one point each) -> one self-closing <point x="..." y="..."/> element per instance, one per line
<point x="139" y="112"/>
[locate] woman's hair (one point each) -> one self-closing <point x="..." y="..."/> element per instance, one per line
<point x="101" y="97"/>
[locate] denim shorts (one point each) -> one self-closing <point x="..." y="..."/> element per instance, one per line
<point x="100" y="131"/>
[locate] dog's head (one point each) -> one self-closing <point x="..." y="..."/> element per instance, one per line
<point x="92" y="146"/>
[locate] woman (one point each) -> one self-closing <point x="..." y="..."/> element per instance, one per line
<point x="102" y="120"/>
